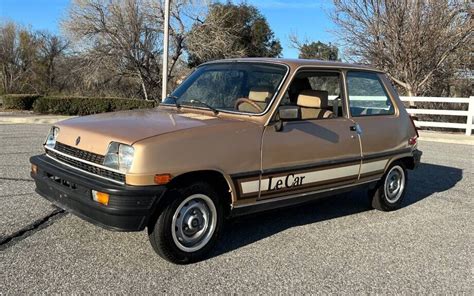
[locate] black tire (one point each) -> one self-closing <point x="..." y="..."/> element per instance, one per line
<point x="382" y="198"/>
<point x="166" y="242"/>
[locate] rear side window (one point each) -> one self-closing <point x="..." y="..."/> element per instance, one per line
<point x="367" y="95"/>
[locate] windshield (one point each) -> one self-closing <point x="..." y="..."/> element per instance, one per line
<point x="241" y="87"/>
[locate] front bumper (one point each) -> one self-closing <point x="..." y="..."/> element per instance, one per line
<point x="129" y="207"/>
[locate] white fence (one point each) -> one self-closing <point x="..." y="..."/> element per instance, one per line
<point x="468" y="126"/>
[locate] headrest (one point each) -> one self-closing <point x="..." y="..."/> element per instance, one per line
<point x="313" y="99"/>
<point x="260" y="94"/>
<point x="299" y="84"/>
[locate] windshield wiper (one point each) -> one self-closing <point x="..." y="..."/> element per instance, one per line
<point x="175" y="101"/>
<point x="202" y="103"/>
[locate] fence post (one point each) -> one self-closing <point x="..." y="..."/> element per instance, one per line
<point x="470" y="116"/>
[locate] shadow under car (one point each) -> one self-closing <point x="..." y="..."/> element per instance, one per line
<point x="426" y="180"/>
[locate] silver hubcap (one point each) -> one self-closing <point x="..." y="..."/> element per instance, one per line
<point x="194" y="222"/>
<point x="394" y="184"/>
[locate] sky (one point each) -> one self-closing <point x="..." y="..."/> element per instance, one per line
<point x="309" y="19"/>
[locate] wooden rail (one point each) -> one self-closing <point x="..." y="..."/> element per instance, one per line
<point x="468" y="126"/>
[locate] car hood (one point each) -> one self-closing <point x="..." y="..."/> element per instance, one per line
<point x="94" y="133"/>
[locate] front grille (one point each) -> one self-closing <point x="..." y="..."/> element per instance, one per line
<point x="88" y="168"/>
<point x="78" y="153"/>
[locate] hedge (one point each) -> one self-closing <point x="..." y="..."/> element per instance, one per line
<point x="19" y="101"/>
<point x="86" y="105"/>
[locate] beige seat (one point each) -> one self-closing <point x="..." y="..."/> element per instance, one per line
<point x="260" y="96"/>
<point x="313" y="104"/>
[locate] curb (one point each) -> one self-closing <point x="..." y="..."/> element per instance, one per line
<point x="428" y="136"/>
<point x="32" y="119"/>
<point x="424" y="135"/>
<point x="449" y="141"/>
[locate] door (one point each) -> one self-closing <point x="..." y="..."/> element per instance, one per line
<point x="320" y="150"/>
<point x="375" y="113"/>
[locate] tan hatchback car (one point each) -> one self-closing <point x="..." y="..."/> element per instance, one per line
<point x="236" y="137"/>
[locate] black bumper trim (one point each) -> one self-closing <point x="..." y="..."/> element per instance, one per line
<point x="417" y="157"/>
<point x="129" y="208"/>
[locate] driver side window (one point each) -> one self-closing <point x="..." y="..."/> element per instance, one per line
<point x="317" y="95"/>
<point x="260" y="90"/>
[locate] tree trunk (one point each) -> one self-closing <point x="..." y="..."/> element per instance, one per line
<point x="145" y="93"/>
<point x="411" y="93"/>
<point x="5" y="79"/>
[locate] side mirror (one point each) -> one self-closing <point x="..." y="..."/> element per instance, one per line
<point x="286" y="113"/>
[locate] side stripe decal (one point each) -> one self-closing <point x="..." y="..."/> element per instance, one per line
<point x="281" y="181"/>
<point x="373" y="166"/>
<point x="294" y="180"/>
<point x="299" y="179"/>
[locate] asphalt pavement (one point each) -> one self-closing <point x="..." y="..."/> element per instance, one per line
<point x="337" y="245"/>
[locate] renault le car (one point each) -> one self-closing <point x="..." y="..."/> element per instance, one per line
<point x="236" y="137"/>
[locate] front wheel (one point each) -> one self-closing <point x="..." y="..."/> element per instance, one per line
<point x="390" y="191"/>
<point x="188" y="227"/>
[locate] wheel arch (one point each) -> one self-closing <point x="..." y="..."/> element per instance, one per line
<point x="215" y="178"/>
<point x="407" y="160"/>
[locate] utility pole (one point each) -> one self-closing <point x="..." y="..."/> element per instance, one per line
<point x="164" y="88"/>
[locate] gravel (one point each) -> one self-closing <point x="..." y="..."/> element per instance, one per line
<point x="337" y="245"/>
<point x="19" y="205"/>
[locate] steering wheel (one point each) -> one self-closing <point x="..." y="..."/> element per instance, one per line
<point x="249" y="101"/>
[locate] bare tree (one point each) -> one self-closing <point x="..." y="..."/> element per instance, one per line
<point x="182" y="13"/>
<point x="18" y="48"/>
<point x="410" y="39"/>
<point x="231" y="30"/>
<point x="313" y="49"/>
<point x="51" y="48"/>
<point x="125" y="37"/>
<point x="215" y="37"/>
<point x="8" y="56"/>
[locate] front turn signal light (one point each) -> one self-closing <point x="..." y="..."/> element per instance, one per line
<point x="34" y="169"/>
<point x="162" y="179"/>
<point x="100" y="197"/>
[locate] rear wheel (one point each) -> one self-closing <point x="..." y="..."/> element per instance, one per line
<point x="390" y="191"/>
<point x="188" y="227"/>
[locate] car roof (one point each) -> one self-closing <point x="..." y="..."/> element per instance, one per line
<point x="296" y="63"/>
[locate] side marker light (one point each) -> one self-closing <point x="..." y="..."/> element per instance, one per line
<point x="100" y="197"/>
<point x="162" y="179"/>
<point x="34" y="169"/>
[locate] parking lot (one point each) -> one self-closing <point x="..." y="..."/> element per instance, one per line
<point x="337" y="245"/>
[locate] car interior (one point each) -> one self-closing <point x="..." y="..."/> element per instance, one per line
<point x="258" y="99"/>
<point x="317" y="95"/>
<point x="313" y="104"/>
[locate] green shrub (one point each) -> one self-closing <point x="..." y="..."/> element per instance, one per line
<point x="85" y="105"/>
<point x="128" y="104"/>
<point x="19" y="101"/>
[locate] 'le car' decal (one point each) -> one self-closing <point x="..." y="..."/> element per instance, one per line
<point x="295" y="180"/>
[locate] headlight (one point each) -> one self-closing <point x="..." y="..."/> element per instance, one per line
<point x="52" y="135"/>
<point x="119" y="157"/>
